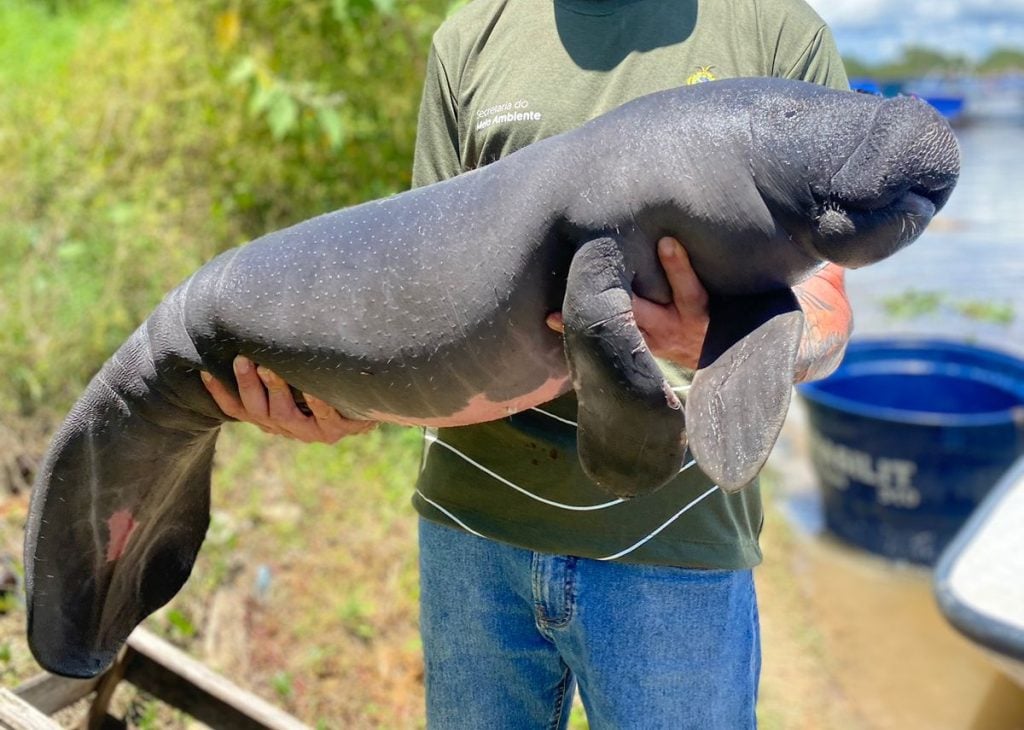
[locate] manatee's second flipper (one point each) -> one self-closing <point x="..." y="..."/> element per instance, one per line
<point x="120" y="505"/>
<point x="631" y="425"/>
<point x="741" y="390"/>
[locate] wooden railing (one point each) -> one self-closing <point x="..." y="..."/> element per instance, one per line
<point x="153" y="666"/>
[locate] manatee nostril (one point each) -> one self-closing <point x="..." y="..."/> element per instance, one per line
<point x="925" y="192"/>
<point x="936" y="189"/>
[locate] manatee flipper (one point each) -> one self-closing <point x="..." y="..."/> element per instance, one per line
<point x="120" y="507"/>
<point x="631" y="435"/>
<point x="741" y="390"/>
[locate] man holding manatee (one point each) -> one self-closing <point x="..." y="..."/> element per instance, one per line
<point x="533" y="580"/>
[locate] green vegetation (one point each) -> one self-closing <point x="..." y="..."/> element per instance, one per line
<point x="128" y="158"/>
<point x="918" y="61"/>
<point x="1001" y="313"/>
<point x="138" y="138"/>
<point x="1003" y="60"/>
<point x="912" y="304"/>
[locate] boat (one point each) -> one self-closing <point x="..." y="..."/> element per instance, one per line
<point x="978" y="579"/>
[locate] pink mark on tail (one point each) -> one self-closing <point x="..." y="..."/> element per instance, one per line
<point x="121" y="525"/>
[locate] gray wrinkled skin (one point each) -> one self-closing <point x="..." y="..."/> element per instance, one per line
<point x="428" y="308"/>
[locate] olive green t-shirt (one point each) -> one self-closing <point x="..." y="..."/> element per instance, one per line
<point x="502" y="74"/>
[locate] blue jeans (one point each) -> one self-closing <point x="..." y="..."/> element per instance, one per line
<point x="508" y="633"/>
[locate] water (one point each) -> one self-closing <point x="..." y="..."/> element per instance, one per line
<point x="972" y="252"/>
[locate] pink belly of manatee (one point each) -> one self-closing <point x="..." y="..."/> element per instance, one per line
<point x="480" y="408"/>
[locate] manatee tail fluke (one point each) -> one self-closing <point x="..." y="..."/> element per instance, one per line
<point x="631" y="436"/>
<point x="119" y="510"/>
<point x="741" y="391"/>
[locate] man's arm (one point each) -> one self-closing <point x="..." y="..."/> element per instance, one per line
<point x="436" y="155"/>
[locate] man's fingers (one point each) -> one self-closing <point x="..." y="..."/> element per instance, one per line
<point x="266" y="401"/>
<point x="251" y="390"/>
<point x="224" y="398"/>
<point x="324" y="413"/>
<point x="651" y="315"/>
<point x="326" y="425"/>
<point x="675" y="331"/>
<point x="320" y="410"/>
<point x="331" y="425"/>
<point x="283" y="413"/>
<point x="281" y="407"/>
<point x="688" y="294"/>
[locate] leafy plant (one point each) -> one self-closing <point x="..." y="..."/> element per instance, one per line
<point x="181" y="625"/>
<point x="356" y="614"/>
<point x="283" y="685"/>
<point x="138" y="139"/>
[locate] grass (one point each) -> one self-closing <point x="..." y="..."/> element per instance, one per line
<point x="81" y="223"/>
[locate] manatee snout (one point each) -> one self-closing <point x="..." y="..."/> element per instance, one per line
<point x="896" y="179"/>
<point x="908" y="147"/>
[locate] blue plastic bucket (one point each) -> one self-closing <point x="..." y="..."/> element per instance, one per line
<point x="907" y="437"/>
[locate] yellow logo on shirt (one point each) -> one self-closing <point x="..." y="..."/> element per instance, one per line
<point x="701" y="75"/>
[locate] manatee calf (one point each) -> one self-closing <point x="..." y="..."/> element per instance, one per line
<point x="428" y="308"/>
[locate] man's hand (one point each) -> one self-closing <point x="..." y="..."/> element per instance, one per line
<point x="673" y="331"/>
<point x="266" y="401"/>
<point x="676" y="331"/>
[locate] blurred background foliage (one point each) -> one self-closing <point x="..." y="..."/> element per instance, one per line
<point x="137" y="139"/>
<point x="922" y="61"/>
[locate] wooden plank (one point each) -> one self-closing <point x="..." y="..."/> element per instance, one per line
<point x="17" y="714"/>
<point x="169" y="674"/>
<point x="49" y="693"/>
